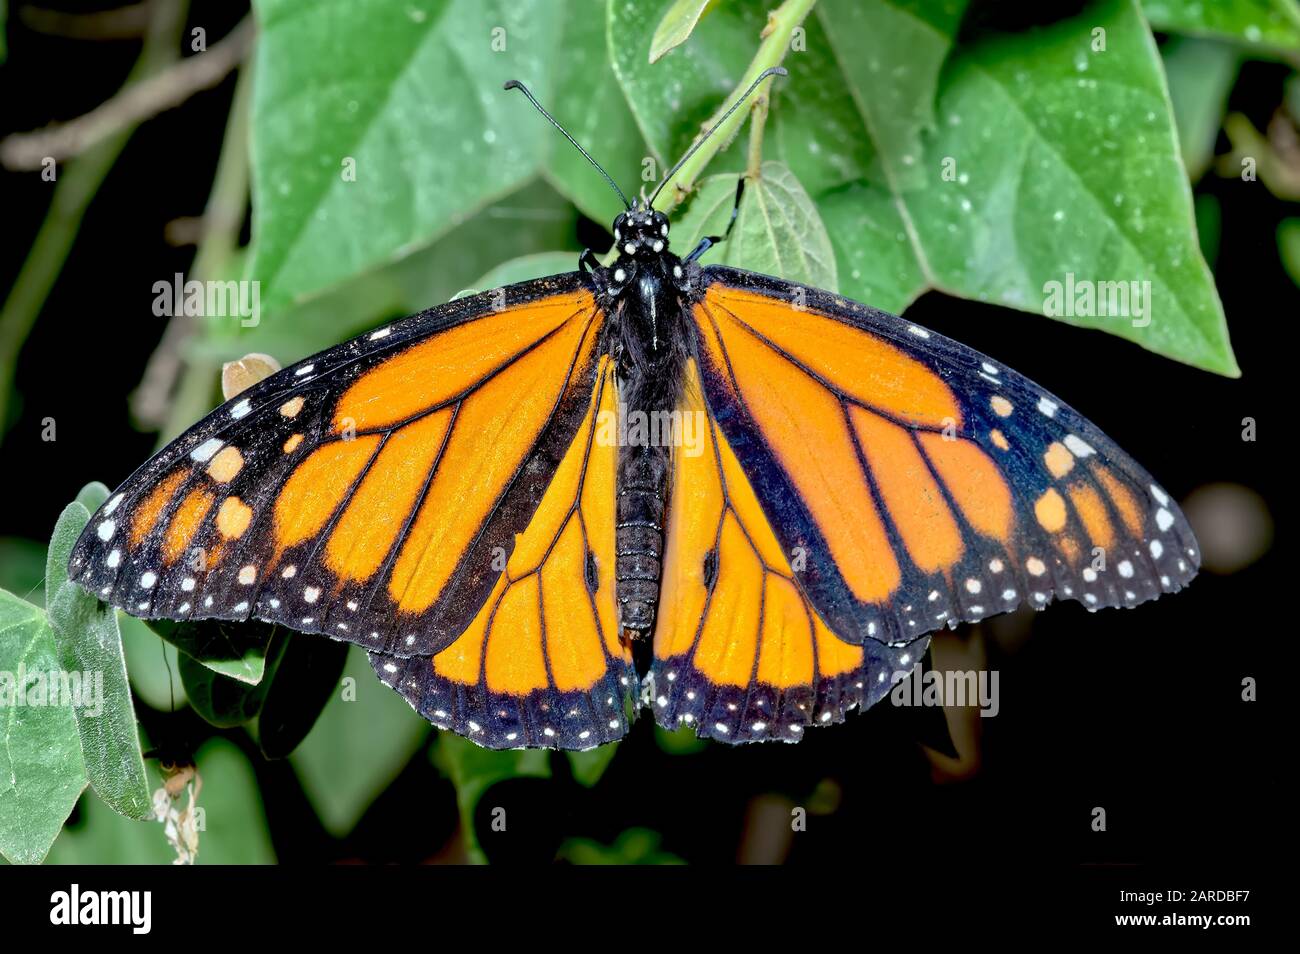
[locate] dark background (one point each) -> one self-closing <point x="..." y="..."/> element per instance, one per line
<point x="1139" y="711"/>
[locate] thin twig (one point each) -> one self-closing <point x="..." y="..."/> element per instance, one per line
<point x="781" y="25"/>
<point x="123" y="23"/>
<point x="73" y="190"/>
<point x="134" y="104"/>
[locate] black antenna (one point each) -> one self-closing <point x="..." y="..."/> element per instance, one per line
<point x="770" y="71"/>
<point x="515" y="84"/>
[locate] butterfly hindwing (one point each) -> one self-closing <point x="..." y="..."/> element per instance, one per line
<point x="923" y="483"/>
<point x="541" y="664"/>
<point x="368" y="492"/>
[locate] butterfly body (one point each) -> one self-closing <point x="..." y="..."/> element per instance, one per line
<point x="645" y="292"/>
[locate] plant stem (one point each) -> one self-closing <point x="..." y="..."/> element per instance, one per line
<point x="780" y="27"/>
<point x="754" y="168"/>
<point x="76" y="186"/>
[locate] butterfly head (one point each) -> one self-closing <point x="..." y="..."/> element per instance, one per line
<point x="640" y="233"/>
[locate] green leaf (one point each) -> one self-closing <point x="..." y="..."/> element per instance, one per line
<point x="588" y="767"/>
<point x="1288" y="240"/>
<point x="682" y="741"/>
<point x="527" y="267"/>
<point x="1200" y="74"/>
<point x="533" y="219"/>
<point x="1082" y="177"/>
<point x="676" y="26"/>
<point x="408" y="94"/>
<point x="362" y="741"/>
<point x="778" y="231"/>
<point x="41" y="771"/>
<point x="1263" y="25"/>
<point x="236" y="650"/>
<point x="636" y="846"/>
<point x="89" y="648"/>
<point x="226" y="702"/>
<point x="473" y="770"/>
<point x="673" y="100"/>
<point x="22" y="568"/>
<point x="1042" y="156"/>
<point x="307" y="676"/>
<point x="590" y="104"/>
<point x="92" y="496"/>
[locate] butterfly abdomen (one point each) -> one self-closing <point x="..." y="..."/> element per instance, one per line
<point x="642" y="488"/>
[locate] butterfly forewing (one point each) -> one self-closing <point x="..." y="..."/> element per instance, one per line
<point x="925" y="483"/>
<point x="367" y="492"/>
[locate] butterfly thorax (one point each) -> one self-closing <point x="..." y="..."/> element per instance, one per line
<point x="645" y="294"/>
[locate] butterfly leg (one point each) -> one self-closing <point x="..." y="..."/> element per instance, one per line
<point x="587" y="261"/>
<point x="709" y="241"/>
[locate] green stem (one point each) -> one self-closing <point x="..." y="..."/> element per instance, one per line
<point x="781" y="25"/>
<point x="78" y="182"/>
<point x="754" y="167"/>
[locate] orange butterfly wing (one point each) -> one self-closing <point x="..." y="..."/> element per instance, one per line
<point x="541" y="664"/>
<point x="740" y="652"/>
<point x="369" y="493"/>
<point x="893" y="482"/>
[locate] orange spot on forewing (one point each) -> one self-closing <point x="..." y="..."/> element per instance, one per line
<point x="146" y="515"/>
<point x="1058" y="459"/>
<point x="185" y="524"/>
<point x="1092" y="514"/>
<point x="1123" y="499"/>
<point x="1050" y="510"/>
<point x="233" y="518"/>
<point x="224" y="467"/>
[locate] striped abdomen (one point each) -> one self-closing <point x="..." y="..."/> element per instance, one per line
<point x="642" y="490"/>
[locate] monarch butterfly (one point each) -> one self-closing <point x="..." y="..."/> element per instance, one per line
<point x="458" y="493"/>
